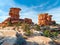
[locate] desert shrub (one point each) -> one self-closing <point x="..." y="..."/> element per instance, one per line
<point x="28" y="33"/>
<point x="25" y="26"/>
<point x="3" y="26"/>
<point x="37" y="27"/>
<point x="19" y="23"/>
<point x="9" y="23"/>
<point x="48" y="33"/>
<point x="54" y="34"/>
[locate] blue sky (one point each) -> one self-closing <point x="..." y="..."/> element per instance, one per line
<point x="31" y="8"/>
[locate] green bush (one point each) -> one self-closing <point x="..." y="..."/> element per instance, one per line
<point x="28" y="33"/>
<point x="3" y="26"/>
<point x="19" y="23"/>
<point x="37" y="27"/>
<point x="54" y="34"/>
<point x="9" y="23"/>
<point x="48" y="33"/>
<point x="26" y="28"/>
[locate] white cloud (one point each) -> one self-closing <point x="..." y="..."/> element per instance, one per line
<point x="3" y="15"/>
<point x="54" y="4"/>
<point x="6" y="2"/>
<point x="30" y="14"/>
<point x="41" y="5"/>
<point x="56" y="14"/>
<point x="3" y="5"/>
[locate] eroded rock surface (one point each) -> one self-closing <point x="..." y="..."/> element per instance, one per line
<point x="39" y="40"/>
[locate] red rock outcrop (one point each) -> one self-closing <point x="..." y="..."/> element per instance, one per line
<point x="44" y="19"/>
<point x="27" y="20"/>
<point x="14" y="17"/>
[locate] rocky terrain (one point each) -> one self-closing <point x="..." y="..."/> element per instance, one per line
<point x="8" y="36"/>
<point x="40" y="40"/>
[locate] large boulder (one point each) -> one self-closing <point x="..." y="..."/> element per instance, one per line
<point x="7" y="33"/>
<point x="11" y="37"/>
<point x="57" y="42"/>
<point x="39" y="40"/>
<point x="9" y="41"/>
<point x="7" y="37"/>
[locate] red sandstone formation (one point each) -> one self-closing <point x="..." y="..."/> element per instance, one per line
<point x="44" y="19"/>
<point x="27" y="20"/>
<point x="14" y="17"/>
<point x="14" y="13"/>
